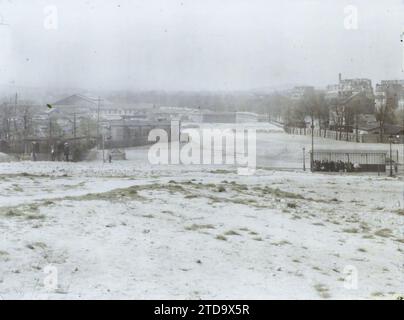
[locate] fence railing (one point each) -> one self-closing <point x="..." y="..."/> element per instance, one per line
<point x="342" y="136"/>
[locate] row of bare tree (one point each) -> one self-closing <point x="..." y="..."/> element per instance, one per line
<point x="341" y="114"/>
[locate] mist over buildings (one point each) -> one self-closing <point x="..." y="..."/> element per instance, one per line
<point x="195" y="45"/>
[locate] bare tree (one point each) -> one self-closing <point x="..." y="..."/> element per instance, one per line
<point x="385" y="114"/>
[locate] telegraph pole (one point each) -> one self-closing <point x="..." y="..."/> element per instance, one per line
<point x="74" y="126"/>
<point x="25" y="130"/>
<point x="103" y="147"/>
<point x="15" y="119"/>
<point x="50" y="130"/>
<point x="312" y="143"/>
<point x="402" y="137"/>
<point x="74" y="136"/>
<point x="391" y="157"/>
<point x="98" y="121"/>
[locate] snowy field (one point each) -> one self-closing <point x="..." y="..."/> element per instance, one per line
<point x="131" y="230"/>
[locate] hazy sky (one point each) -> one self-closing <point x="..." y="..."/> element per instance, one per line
<point x="196" y="44"/>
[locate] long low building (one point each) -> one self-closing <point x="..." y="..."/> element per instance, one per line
<point x="131" y="133"/>
<point x="229" y="117"/>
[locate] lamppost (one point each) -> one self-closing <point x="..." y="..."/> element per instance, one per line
<point x="391" y="139"/>
<point x="402" y="137"/>
<point x="98" y="121"/>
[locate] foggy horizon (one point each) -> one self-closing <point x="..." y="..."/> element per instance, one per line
<point x="198" y="156"/>
<point x="195" y="45"/>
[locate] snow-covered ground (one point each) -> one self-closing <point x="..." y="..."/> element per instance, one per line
<point x="4" y="157"/>
<point x="133" y="230"/>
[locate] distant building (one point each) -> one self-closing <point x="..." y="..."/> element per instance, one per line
<point x="219" y="117"/>
<point x="229" y="117"/>
<point x="77" y="104"/>
<point x="93" y="107"/>
<point x="367" y="120"/>
<point x="388" y="129"/>
<point x="387" y="83"/>
<point x="390" y="91"/>
<point x="175" y="113"/>
<point x="297" y="93"/>
<point x="131" y="133"/>
<point x="243" y="117"/>
<point x="348" y="87"/>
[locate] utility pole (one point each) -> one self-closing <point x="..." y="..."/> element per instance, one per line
<point x="15" y="119"/>
<point x="88" y="130"/>
<point x="98" y="120"/>
<point x="304" y="159"/>
<point x="402" y="137"/>
<point x="391" y="157"/>
<point x="74" y="136"/>
<point x="312" y="143"/>
<point x="103" y="148"/>
<point x="74" y="126"/>
<point x="179" y="131"/>
<point x="25" y="120"/>
<point x="397" y="160"/>
<point x="50" y="130"/>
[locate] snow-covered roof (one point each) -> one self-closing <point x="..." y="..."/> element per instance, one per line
<point x="78" y="100"/>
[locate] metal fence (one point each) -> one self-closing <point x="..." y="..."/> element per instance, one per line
<point x="342" y="136"/>
<point x="348" y="160"/>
